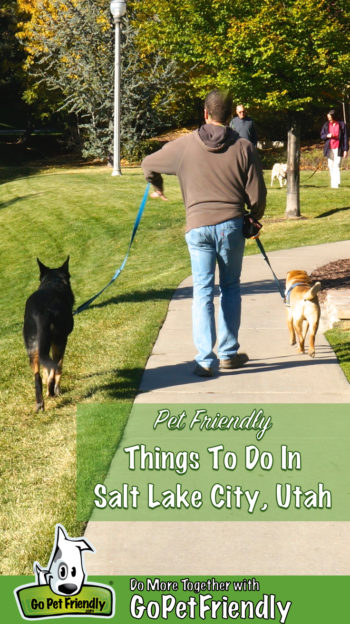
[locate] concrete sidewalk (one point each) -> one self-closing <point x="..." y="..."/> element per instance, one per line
<point x="275" y="373"/>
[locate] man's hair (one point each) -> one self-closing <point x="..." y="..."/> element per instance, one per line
<point x="219" y="105"/>
<point x="333" y="113"/>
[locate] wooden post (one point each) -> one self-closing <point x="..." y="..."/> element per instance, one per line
<point x="293" y="176"/>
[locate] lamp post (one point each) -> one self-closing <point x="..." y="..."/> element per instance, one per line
<point x="118" y="9"/>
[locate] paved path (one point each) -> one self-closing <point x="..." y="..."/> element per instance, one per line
<point x="274" y="374"/>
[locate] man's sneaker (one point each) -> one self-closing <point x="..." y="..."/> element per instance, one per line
<point x="236" y="361"/>
<point x="203" y="371"/>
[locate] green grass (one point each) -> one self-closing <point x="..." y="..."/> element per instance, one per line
<point x="325" y="213"/>
<point x="86" y="213"/>
<point x="89" y="215"/>
<point x="339" y="339"/>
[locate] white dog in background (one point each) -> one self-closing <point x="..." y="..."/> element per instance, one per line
<point x="279" y="171"/>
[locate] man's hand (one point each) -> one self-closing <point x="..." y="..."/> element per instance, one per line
<point x="345" y="154"/>
<point x="158" y="195"/>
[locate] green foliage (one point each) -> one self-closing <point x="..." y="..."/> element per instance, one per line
<point x="9" y="48"/>
<point x="271" y="53"/>
<point x="11" y="58"/>
<point x="279" y="55"/>
<point x="274" y="55"/>
<point x="72" y="54"/>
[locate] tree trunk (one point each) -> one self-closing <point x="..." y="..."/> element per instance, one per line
<point x="293" y="177"/>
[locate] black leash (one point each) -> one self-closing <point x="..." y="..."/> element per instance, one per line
<point x="261" y="247"/>
<point x="251" y="229"/>
<point x="313" y="173"/>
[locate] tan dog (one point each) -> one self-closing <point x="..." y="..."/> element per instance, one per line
<point x="303" y="308"/>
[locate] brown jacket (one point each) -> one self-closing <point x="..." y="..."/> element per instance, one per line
<point x="218" y="173"/>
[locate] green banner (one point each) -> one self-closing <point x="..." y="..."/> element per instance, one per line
<point x="36" y="602"/>
<point x="291" y="599"/>
<point x="217" y="462"/>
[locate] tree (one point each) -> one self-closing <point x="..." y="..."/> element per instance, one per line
<point x="70" y="50"/>
<point x="279" y="55"/>
<point x="9" y="49"/>
<point x="11" y="58"/>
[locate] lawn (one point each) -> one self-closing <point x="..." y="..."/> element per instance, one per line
<point x="88" y="214"/>
<point x="339" y="338"/>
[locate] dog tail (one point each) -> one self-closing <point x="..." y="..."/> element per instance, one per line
<point x="44" y="343"/>
<point x="311" y="294"/>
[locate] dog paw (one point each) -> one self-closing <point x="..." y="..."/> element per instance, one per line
<point x="40" y="407"/>
<point x="312" y="354"/>
<point x="57" y="391"/>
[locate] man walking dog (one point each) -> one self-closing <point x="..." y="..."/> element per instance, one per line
<point x="218" y="173"/>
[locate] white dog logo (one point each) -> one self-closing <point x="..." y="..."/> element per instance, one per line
<point x="65" y="573"/>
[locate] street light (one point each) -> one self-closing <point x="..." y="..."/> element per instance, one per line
<point x="118" y="9"/>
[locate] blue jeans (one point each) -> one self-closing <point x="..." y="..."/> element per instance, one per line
<point x="223" y="243"/>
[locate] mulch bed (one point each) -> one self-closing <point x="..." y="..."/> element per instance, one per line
<point x="332" y="276"/>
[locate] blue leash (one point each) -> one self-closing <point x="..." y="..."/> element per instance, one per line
<point x="118" y="271"/>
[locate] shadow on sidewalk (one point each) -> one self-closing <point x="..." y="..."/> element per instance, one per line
<point x="184" y="292"/>
<point x="261" y="287"/>
<point x="182" y="374"/>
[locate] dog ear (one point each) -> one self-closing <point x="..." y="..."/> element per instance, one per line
<point x="43" y="269"/>
<point x="40" y="574"/>
<point x="65" y="266"/>
<point x="62" y="537"/>
<point x="83" y="544"/>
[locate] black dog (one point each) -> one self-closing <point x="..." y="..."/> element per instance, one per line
<point x="48" y="320"/>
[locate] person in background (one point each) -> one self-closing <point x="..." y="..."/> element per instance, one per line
<point x="336" y="146"/>
<point x="219" y="173"/>
<point x="244" y="125"/>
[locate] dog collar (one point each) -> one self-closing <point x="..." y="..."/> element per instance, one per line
<point x="287" y="293"/>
